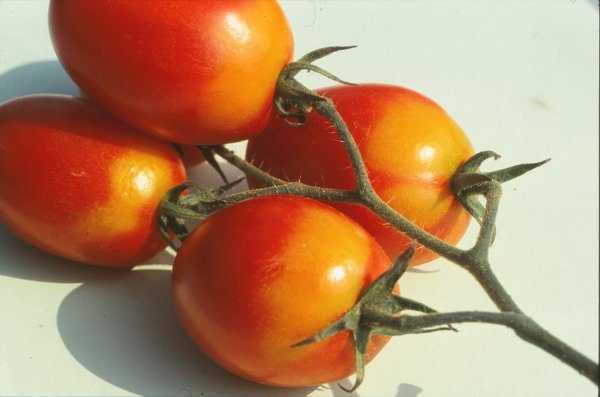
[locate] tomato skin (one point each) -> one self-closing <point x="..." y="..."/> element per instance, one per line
<point x="409" y="144"/>
<point x="198" y="72"/>
<point x="80" y="184"/>
<point x="268" y="272"/>
<point x="190" y="155"/>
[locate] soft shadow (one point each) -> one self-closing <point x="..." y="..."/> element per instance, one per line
<point x="421" y="271"/>
<point x="408" y="390"/>
<point x="24" y="261"/>
<point x="347" y="384"/>
<point x="206" y="175"/>
<point x="126" y="332"/>
<point x="43" y="77"/>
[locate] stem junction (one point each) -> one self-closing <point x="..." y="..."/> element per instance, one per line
<point x="379" y="310"/>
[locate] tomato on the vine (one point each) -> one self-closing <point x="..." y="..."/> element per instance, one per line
<point x="409" y="144"/>
<point x="78" y="183"/>
<point x="198" y="72"/>
<point x="268" y="272"/>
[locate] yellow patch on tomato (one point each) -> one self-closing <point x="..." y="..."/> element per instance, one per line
<point x="241" y="90"/>
<point x="135" y="180"/>
<point x="409" y="138"/>
<point x="422" y="201"/>
<point x="321" y="240"/>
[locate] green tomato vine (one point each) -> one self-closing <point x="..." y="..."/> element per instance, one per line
<point x="380" y="311"/>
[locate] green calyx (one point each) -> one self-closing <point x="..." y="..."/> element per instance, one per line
<point x="379" y="310"/>
<point x="292" y="99"/>
<point x="376" y="312"/>
<point x="469" y="184"/>
<point x="188" y="201"/>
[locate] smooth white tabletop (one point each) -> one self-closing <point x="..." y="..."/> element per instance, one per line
<point x="520" y="77"/>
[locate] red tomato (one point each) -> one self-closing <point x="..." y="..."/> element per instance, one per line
<point x="409" y="144"/>
<point x="190" y="155"/>
<point x="265" y="273"/>
<point x="77" y="183"/>
<point x="199" y="72"/>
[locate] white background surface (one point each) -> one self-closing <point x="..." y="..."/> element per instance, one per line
<point x="521" y="78"/>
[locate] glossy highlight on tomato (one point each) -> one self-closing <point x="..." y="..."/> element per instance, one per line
<point x="78" y="183"/>
<point x="187" y="71"/>
<point x="410" y="146"/>
<point x="268" y="272"/>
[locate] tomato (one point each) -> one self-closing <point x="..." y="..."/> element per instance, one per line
<point x="198" y="72"/>
<point x="77" y="183"/>
<point x="265" y="273"/>
<point x="190" y="155"/>
<point x="409" y="144"/>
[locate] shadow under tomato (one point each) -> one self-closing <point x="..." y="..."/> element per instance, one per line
<point x="404" y="389"/>
<point x="408" y="390"/>
<point x="206" y="175"/>
<point x="43" y="77"/>
<point x="126" y="332"/>
<point x="22" y="260"/>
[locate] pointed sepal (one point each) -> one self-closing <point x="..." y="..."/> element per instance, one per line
<point x="377" y="308"/>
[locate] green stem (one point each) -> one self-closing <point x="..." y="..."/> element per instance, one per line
<point x="249" y="169"/>
<point x="492" y="191"/>
<point x="477" y="258"/>
<point x="327" y="109"/>
<point x="482" y="272"/>
<point x="293" y="188"/>
<point x="525" y="328"/>
<point x="477" y="264"/>
<point x="366" y="197"/>
<point x="369" y="197"/>
<point x="278" y="186"/>
<point x="474" y="260"/>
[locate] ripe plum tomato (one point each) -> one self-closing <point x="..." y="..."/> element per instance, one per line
<point x="78" y="183"/>
<point x="265" y="273"/>
<point x="187" y="71"/>
<point x="409" y="144"/>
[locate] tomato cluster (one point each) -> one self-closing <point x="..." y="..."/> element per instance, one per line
<point x="409" y="144"/>
<point x="82" y="178"/>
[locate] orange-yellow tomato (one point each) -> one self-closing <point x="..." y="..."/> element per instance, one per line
<point x="188" y="71"/>
<point x="268" y="272"/>
<point x="80" y="184"/>
<point x="409" y="144"/>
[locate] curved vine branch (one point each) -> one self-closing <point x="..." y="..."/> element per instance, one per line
<point x="379" y="311"/>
